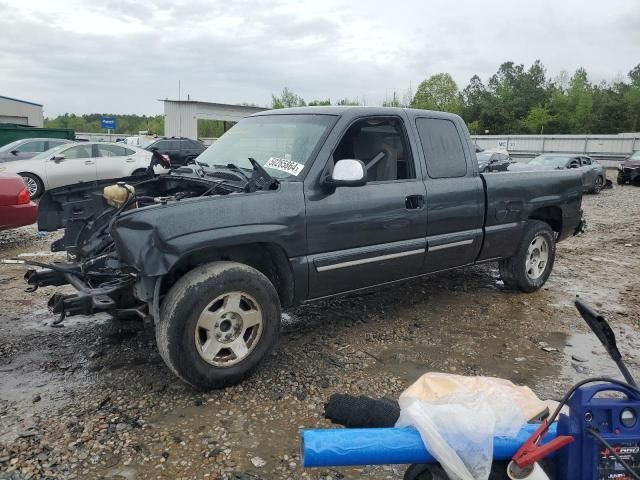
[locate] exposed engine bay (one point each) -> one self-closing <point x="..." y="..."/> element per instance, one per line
<point x="87" y="211"/>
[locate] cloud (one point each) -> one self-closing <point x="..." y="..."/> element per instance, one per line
<point x="122" y="55"/>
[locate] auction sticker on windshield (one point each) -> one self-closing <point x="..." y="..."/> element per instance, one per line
<point x="284" y="165"/>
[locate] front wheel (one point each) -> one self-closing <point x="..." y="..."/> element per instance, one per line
<point x="217" y="323"/>
<point x="529" y="268"/>
<point x="598" y="183"/>
<point x="33" y="184"/>
<point x="620" y="179"/>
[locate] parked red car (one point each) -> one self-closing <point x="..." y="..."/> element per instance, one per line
<point x="16" y="207"/>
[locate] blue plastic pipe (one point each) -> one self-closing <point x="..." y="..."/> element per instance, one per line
<point x="382" y="446"/>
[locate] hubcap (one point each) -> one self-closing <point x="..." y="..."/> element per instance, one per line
<point x="598" y="184"/>
<point x="31" y="184"/>
<point x="537" y="257"/>
<point x="228" y="329"/>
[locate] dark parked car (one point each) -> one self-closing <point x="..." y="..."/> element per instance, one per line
<point x="16" y="207"/>
<point x="629" y="169"/>
<point x="181" y="151"/>
<point x="594" y="177"/>
<point x="28" y="147"/>
<point x="293" y="206"/>
<point x="490" y="161"/>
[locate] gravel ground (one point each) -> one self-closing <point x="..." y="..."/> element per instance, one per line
<point x="93" y="399"/>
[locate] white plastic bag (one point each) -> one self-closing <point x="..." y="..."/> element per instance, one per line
<point x="457" y="418"/>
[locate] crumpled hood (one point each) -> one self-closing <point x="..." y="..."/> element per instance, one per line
<point x="630" y="163"/>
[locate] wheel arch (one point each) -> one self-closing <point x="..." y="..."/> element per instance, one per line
<point x="268" y="258"/>
<point x="551" y="215"/>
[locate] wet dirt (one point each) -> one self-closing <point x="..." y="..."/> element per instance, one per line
<point x="93" y="399"/>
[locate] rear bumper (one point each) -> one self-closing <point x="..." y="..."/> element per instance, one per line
<point x="13" y="216"/>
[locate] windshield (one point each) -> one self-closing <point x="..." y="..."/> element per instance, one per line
<point x="282" y="144"/>
<point x="146" y="144"/>
<point x="635" y="156"/>
<point x="549" y="161"/>
<point x="10" y="146"/>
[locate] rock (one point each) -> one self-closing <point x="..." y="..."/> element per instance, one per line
<point x="214" y="452"/>
<point x="549" y="349"/>
<point x="258" y="462"/>
<point x="36" y="398"/>
<point x="578" y="358"/>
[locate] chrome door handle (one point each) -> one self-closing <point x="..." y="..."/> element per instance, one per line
<point x="89" y="162"/>
<point x="130" y="160"/>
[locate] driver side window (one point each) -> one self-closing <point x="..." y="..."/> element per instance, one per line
<point x="381" y="144"/>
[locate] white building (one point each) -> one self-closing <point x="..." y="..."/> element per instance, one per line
<point x="181" y="116"/>
<point x="21" y="112"/>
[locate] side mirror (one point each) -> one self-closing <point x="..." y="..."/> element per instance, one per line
<point x="14" y="152"/>
<point x="57" y="158"/>
<point x="347" y="173"/>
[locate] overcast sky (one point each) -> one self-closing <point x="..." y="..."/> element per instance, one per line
<point x="120" y="56"/>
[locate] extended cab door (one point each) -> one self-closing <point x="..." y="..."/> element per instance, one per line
<point x="372" y="234"/>
<point x="455" y="195"/>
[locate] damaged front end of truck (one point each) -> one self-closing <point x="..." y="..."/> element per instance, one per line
<point x="94" y="216"/>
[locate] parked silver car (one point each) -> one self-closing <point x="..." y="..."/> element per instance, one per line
<point x="78" y="162"/>
<point x="28" y="148"/>
<point x="594" y="177"/>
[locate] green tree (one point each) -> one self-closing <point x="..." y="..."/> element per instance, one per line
<point x="349" y="101"/>
<point x="287" y="99"/>
<point x="319" y="103"/>
<point x="537" y="119"/>
<point x="631" y="96"/>
<point x="438" y="92"/>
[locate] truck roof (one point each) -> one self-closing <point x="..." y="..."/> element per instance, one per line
<point x="342" y="109"/>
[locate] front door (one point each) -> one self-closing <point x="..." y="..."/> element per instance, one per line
<point x="372" y="234"/>
<point x="78" y="165"/>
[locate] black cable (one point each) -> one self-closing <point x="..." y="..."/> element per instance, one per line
<point x="571" y="391"/>
<point x="624" y="464"/>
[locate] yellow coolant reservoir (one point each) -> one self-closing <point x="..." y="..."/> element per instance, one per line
<point x="116" y="195"/>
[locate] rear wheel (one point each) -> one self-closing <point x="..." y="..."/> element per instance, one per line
<point x="34" y="184"/>
<point x="217" y="323"/>
<point x="529" y="268"/>
<point x="598" y="183"/>
<point x="620" y="179"/>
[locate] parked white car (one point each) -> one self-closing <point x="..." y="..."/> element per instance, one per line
<point x="78" y="162"/>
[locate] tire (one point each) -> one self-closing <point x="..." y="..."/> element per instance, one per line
<point x="529" y="268"/>
<point x="598" y="183"/>
<point x="420" y="471"/>
<point x="620" y="179"/>
<point x="139" y="173"/>
<point x="195" y="314"/>
<point x="34" y="185"/>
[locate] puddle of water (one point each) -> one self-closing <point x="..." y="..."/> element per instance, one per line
<point x="586" y="356"/>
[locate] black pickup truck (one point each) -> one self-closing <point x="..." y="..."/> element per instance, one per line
<point x="292" y="206"/>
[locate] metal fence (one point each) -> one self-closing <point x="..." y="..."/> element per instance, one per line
<point x="607" y="149"/>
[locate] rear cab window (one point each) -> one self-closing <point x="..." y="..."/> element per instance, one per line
<point x="442" y="147"/>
